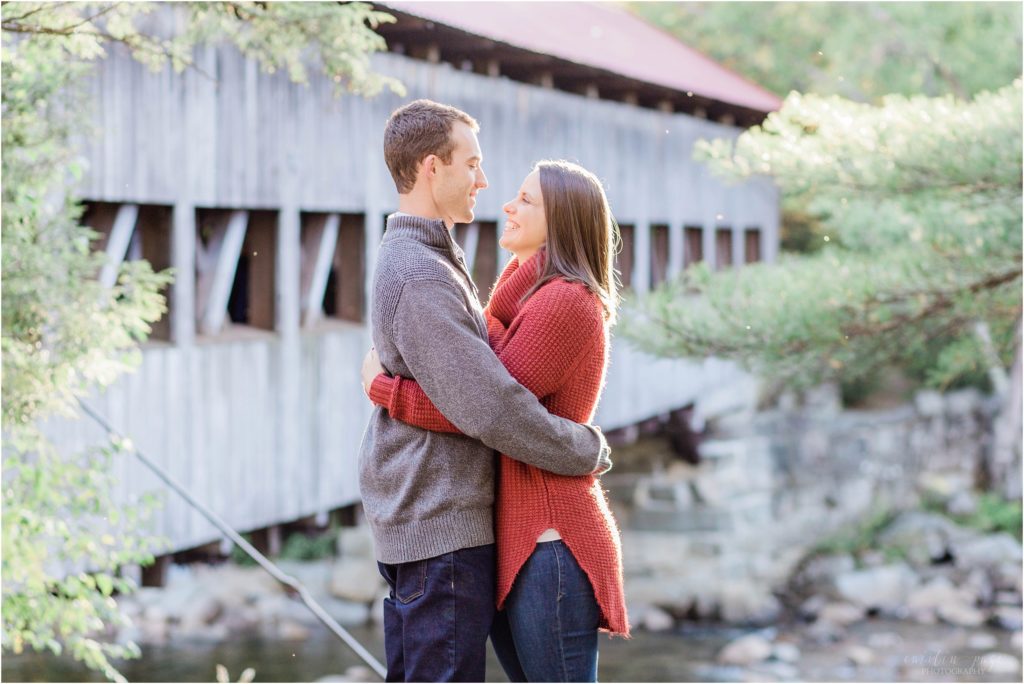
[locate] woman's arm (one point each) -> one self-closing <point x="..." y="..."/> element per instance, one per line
<point x="557" y="328"/>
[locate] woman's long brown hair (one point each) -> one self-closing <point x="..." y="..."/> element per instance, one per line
<point x="581" y="232"/>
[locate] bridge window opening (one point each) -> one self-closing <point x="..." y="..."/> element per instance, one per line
<point x="659" y="254"/>
<point x="479" y="240"/>
<point x="752" y="245"/>
<point x="332" y="266"/>
<point x="129" y="233"/>
<point x="693" y="245"/>
<point x="723" y="248"/>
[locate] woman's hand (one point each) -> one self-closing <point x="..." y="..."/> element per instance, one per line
<point x="371" y="369"/>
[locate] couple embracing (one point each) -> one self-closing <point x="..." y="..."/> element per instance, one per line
<point x="521" y="547"/>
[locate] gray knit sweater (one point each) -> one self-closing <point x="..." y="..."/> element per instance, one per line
<point x="428" y="493"/>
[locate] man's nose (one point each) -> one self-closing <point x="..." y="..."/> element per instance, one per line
<point x="481" y="180"/>
<point x="508" y="208"/>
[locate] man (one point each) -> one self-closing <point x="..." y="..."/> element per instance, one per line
<point x="428" y="497"/>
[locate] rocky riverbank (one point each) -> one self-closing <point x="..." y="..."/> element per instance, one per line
<point x="922" y="571"/>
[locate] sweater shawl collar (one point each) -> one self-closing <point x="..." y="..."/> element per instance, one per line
<point x="505" y="302"/>
<point x="431" y="232"/>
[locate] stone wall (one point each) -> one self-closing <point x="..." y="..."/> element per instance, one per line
<point x="715" y="539"/>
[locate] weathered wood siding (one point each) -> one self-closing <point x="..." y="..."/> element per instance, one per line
<point x="266" y="427"/>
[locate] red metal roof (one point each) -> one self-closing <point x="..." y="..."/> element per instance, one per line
<point x="601" y="35"/>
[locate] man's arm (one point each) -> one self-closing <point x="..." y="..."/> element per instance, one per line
<point x="439" y="342"/>
<point x="558" y="330"/>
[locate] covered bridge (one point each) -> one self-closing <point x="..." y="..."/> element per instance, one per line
<point x="269" y="200"/>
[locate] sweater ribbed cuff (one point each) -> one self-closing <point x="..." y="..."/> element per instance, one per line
<point x="381" y="389"/>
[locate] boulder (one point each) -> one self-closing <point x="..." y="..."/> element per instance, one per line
<point x="657" y="620"/>
<point x="841" y="614"/>
<point x="1007" y="598"/>
<point x="961" y="614"/>
<point x="1000" y="664"/>
<point x="356" y="579"/>
<point x="880" y="587"/>
<point x="290" y="630"/>
<point x="812" y="606"/>
<point x="982" y="641"/>
<point x="1007" y="577"/>
<point x="923" y="536"/>
<point x="860" y="655"/>
<point x="786" y="652"/>
<point x="824" y="632"/>
<point x="979" y="585"/>
<point x="747" y="650"/>
<point x="821" y="569"/>
<point x="1007" y="617"/>
<point x="200" y="611"/>
<point x="929" y="403"/>
<point x="963" y="502"/>
<point x="748" y="604"/>
<point x="938" y="592"/>
<point x="989" y="551"/>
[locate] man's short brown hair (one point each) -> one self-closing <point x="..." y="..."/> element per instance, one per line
<point x="418" y="129"/>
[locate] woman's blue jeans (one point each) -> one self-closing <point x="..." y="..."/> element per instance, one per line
<point x="547" y="631"/>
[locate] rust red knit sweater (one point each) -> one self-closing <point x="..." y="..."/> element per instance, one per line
<point x="556" y="345"/>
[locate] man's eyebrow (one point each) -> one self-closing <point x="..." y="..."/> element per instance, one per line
<point x="475" y="157"/>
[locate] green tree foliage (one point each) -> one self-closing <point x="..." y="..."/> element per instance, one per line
<point x="921" y="202"/>
<point x="859" y="50"/>
<point x="63" y="333"/>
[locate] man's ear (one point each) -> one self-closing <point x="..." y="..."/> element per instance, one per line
<point x="429" y="165"/>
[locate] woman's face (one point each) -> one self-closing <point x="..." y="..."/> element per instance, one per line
<point x="526" y="228"/>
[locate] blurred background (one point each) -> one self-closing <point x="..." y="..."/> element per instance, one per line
<point x="814" y="394"/>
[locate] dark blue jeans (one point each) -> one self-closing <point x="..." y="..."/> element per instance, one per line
<point x="438" y="615"/>
<point x="547" y="631"/>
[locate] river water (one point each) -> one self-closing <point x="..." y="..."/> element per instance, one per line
<point x="686" y="655"/>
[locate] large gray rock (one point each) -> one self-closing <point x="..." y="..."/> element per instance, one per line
<point x="990" y="551"/>
<point x="749" y="649"/>
<point x="657" y="620"/>
<point x="1007" y="617"/>
<point x="354" y="575"/>
<point x="356" y="578"/>
<point x="1000" y="664"/>
<point x="841" y="614"/>
<point x="883" y="587"/>
<point x="957" y="603"/>
<point x="748" y="603"/>
<point x="199" y="612"/>
<point x="822" y="569"/>
<point x="923" y="536"/>
<point x="929" y="403"/>
<point x="860" y="655"/>
<point x="786" y="652"/>
<point x="982" y="641"/>
<point x="811" y="607"/>
<point x="961" y="614"/>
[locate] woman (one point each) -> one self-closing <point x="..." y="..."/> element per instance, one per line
<point x="559" y="556"/>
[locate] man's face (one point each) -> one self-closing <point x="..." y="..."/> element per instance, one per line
<point x="455" y="185"/>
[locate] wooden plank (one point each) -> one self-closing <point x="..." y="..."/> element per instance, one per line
<point x="676" y="249"/>
<point x="183" y="259"/>
<point x="224" y="273"/>
<point x="326" y="242"/>
<point x="117" y="244"/>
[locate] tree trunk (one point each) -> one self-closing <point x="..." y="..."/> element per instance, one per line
<point x="1005" y="458"/>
